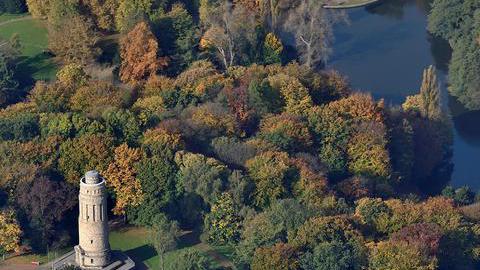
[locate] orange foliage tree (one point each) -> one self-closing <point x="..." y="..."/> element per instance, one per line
<point x="139" y="50"/>
<point x="121" y="175"/>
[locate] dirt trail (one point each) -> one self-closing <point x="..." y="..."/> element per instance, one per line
<point x="29" y="17"/>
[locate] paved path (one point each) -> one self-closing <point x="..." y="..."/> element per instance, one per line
<point x="29" y="17"/>
<point x="344" y="4"/>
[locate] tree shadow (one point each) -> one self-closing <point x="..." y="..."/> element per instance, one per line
<point x="141" y="254"/>
<point x="188" y="239"/>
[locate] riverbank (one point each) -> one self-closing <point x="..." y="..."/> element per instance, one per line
<point x="344" y="4"/>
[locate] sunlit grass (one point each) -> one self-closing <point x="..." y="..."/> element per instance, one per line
<point x="34" y="40"/>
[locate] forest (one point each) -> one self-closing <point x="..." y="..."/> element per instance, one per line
<point x="220" y="117"/>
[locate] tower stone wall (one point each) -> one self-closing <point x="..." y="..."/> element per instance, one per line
<point x="93" y="250"/>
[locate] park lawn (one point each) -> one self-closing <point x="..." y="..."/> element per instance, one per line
<point x="29" y="258"/>
<point x="34" y="40"/>
<point x="134" y="242"/>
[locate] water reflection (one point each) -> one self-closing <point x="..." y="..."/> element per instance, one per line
<point x="384" y="51"/>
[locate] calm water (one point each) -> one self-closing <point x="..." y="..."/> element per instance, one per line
<point x="384" y="50"/>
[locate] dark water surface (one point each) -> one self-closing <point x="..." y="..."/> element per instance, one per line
<point x="384" y="50"/>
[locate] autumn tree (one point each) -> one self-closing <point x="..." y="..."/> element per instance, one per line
<point x="121" y="175"/>
<point x="72" y="75"/>
<point x="367" y="151"/>
<point x="97" y="97"/>
<point x="74" y="40"/>
<point x="45" y="202"/>
<point x="10" y="232"/>
<point x="103" y="12"/>
<point x="398" y="256"/>
<point x="430" y="94"/>
<point x="269" y="171"/>
<point x="38" y="8"/>
<point x="325" y="237"/>
<point x="53" y="97"/>
<point x="82" y="154"/>
<point x="272" y="49"/>
<point x="139" y="51"/>
<point x="287" y="132"/>
<point x="311" y="25"/>
<point x="295" y="95"/>
<point x="427" y="102"/>
<point x="280" y="256"/>
<point x="230" y="29"/>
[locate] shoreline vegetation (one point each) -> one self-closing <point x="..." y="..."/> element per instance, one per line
<point x="344" y="4"/>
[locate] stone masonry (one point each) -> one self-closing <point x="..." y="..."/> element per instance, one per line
<point x="93" y="250"/>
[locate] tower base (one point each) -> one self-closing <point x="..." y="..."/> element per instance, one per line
<point x="118" y="261"/>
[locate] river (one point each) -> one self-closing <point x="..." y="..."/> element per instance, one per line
<point x="384" y="49"/>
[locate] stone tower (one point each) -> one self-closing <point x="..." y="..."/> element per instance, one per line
<point x="93" y="250"/>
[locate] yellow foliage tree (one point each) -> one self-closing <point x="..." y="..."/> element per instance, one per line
<point x="367" y="151"/>
<point x="400" y="256"/>
<point x="296" y="96"/>
<point x="268" y="171"/>
<point x="121" y="176"/>
<point x="38" y="8"/>
<point x="10" y="231"/>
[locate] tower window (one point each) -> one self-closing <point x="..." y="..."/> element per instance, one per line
<point x="91" y="241"/>
<point x="93" y="212"/>
<point x="91" y="260"/>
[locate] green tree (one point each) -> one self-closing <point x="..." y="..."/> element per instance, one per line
<point x="273" y="225"/>
<point x="272" y="49"/>
<point x="22" y="127"/>
<point x="56" y="124"/>
<point x="329" y="256"/>
<point x="287" y="132"/>
<point x="191" y="259"/>
<point x="269" y="171"/>
<point x="199" y="174"/>
<point x="327" y="233"/>
<point x="122" y="125"/>
<point x="222" y="224"/>
<point x="13" y="6"/>
<point x="8" y="82"/>
<point x="164" y="234"/>
<point x="157" y="177"/>
<point x="130" y="12"/>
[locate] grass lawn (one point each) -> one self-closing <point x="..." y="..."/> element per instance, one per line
<point x="33" y="37"/>
<point x="28" y="258"/>
<point x="134" y="242"/>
